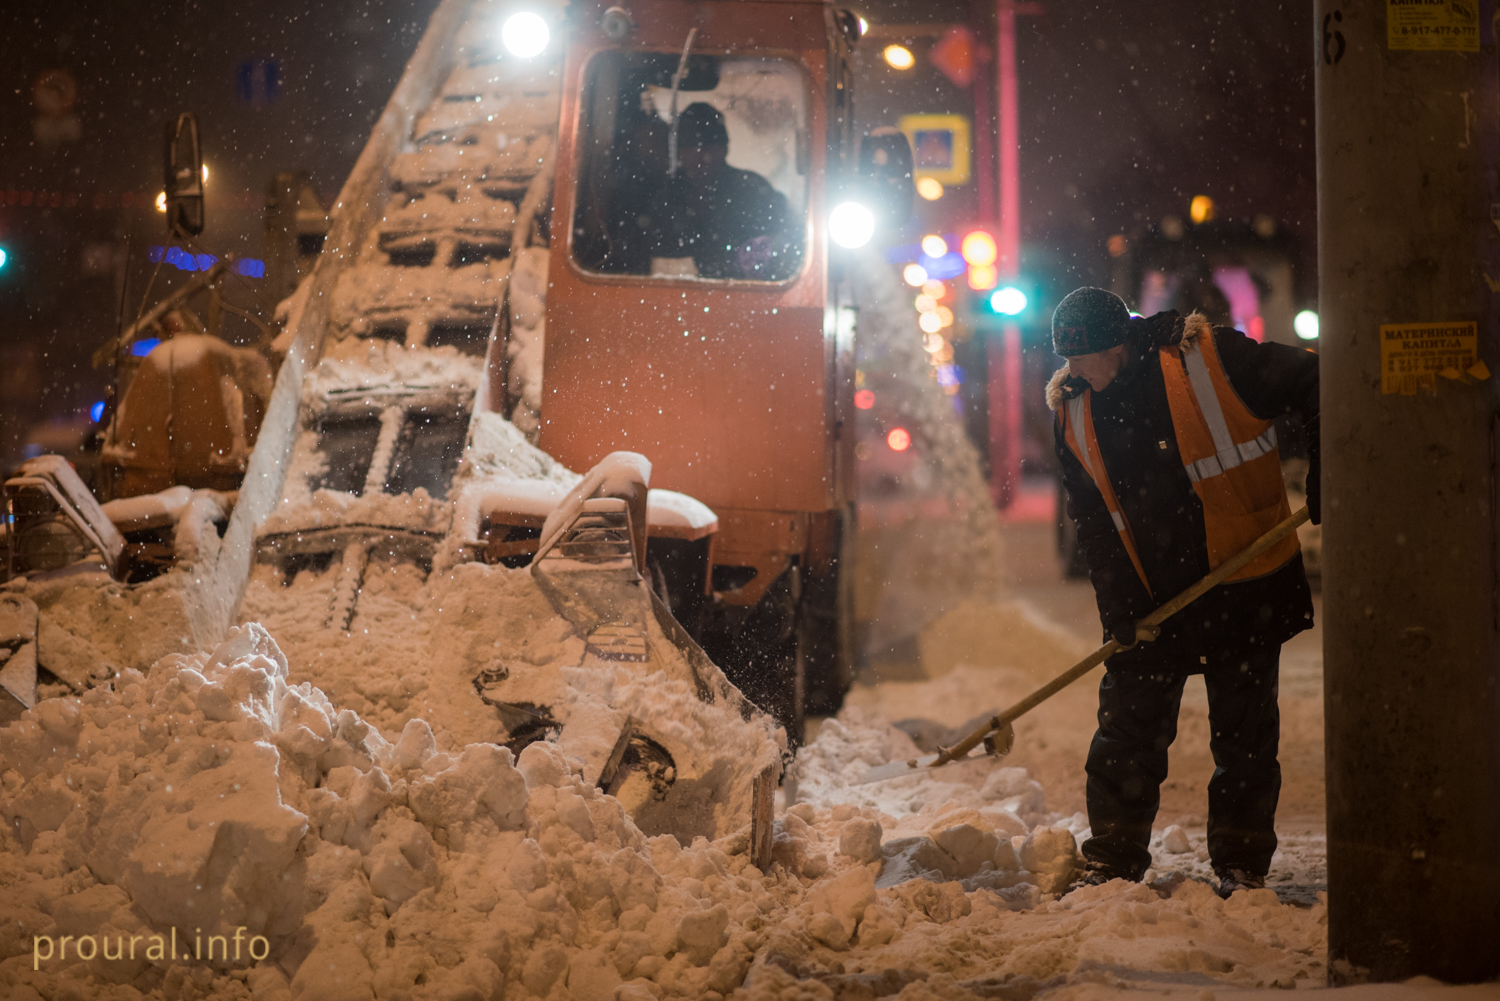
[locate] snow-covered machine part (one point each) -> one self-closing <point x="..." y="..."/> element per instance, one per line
<point x="210" y="396"/>
<point x="53" y="521"/>
<point x="18" y="626"/>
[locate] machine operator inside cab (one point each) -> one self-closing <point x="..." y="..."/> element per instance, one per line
<point x="707" y="179"/>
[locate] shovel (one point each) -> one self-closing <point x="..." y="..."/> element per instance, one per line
<point x="996" y="734"/>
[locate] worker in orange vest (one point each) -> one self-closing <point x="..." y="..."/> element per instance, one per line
<point x="1165" y="430"/>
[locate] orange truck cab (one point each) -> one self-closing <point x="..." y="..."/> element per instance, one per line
<point x="695" y="311"/>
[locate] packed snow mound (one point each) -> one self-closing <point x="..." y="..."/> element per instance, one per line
<point x="210" y="796"/>
<point x="209" y="802"/>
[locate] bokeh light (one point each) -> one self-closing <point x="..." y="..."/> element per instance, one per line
<point x="1008" y="300"/>
<point x="899" y="57"/>
<point x="899" y="439"/>
<point x="1305" y="324"/>
<point x="979" y="249"/>
<point x="930" y="188"/>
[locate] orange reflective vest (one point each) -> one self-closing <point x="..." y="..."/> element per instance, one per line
<point x="1228" y="453"/>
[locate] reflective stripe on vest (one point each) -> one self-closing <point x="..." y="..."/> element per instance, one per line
<point x="1229" y="455"/>
<point x="1079" y="415"/>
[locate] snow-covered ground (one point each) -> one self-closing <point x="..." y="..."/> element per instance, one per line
<point x="214" y="793"/>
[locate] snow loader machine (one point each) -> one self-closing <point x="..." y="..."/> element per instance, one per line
<point x="511" y="289"/>
<point x="731" y="368"/>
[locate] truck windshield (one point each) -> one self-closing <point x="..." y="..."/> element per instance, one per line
<point x="733" y="205"/>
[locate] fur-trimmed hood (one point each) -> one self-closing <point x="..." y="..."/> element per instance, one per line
<point x="1195" y="326"/>
<point x="1062" y="387"/>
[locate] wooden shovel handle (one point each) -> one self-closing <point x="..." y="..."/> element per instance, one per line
<point x="1216" y="577"/>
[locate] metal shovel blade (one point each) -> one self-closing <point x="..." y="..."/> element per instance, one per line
<point x="997" y="744"/>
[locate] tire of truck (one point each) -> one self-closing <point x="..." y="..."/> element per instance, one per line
<point x="826" y="623"/>
<point x="760" y="651"/>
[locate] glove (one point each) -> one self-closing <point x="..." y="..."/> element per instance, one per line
<point x="1128" y="633"/>
<point x="1157" y="330"/>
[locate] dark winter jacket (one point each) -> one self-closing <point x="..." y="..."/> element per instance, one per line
<point x="1139" y="446"/>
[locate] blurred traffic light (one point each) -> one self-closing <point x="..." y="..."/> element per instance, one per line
<point x="1305" y="324"/>
<point x="4" y="256"/>
<point x="979" y="249"/>
<point x="1008" y="301"/>
<point x="982" y="278"/>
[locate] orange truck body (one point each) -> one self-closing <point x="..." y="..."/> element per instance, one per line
<point x="740" y="392"/>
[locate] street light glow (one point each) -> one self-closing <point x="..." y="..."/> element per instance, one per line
<point x="1008" y="300"/>
<point x="851" y="225"/>
<point x="1305" y="324"/>
<point x="934" y="245"/>
<point x="899" y="439"/>
<point x="161" y="201"/>
<point x="915" y="275"/>
<point x="3" y="258"/>
<point x="899" y="57"/>
<point x="930" y="188"/>
<point x="525" y="34"/>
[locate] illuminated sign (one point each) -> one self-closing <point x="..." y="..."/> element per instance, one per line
<point x="941" y="147"/>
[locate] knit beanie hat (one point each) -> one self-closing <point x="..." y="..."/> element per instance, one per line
<point x="1089" y="320"/>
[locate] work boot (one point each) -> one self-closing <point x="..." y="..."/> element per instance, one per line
<point x="1098" y="873"/>
<point x="1231" y="880"/>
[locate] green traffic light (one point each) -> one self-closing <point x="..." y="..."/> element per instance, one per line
<point x="1009" y="301"/>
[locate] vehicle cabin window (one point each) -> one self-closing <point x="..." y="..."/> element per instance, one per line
<point x="733" y="205"/>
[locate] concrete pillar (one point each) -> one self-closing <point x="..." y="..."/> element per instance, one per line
<point x="1406" y="198"/>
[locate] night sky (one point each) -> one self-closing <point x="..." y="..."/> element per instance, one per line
<point x="1127" y="111"/>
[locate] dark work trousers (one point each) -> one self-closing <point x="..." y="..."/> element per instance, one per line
<point x="1128" y="760"/>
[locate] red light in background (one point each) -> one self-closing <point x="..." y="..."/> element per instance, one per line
<point x="899" y="439"/>
<point x="979" y="249"/>
<point x="864" y="399"/>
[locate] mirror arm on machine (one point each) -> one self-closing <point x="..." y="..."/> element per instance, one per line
<point x="184" y="176"/>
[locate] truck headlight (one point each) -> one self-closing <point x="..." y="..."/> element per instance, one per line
<point x="851" y="225"/>
<point x="525" y="34"/>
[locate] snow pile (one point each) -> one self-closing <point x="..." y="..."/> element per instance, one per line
<point x="212" y="797"/>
